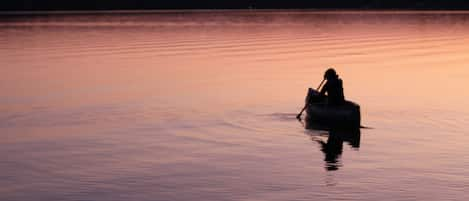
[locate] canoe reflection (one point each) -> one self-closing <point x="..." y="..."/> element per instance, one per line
<point x="333" y="146"/>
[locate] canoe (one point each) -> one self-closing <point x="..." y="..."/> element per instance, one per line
<point x="322" y="116"/>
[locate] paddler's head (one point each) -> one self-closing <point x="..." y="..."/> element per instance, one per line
<point x="330" y="74"/>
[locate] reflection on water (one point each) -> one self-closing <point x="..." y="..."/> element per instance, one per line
<point x="333" y="146"/>
<point x="200" y="105"/>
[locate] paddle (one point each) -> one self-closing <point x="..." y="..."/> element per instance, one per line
<point x="307" y="100"/>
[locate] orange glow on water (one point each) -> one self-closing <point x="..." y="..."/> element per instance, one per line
<point x="204" y="102"/>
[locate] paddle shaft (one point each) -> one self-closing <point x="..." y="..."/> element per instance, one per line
<point x="317" y="89"/>
<point x="306" y="104"/>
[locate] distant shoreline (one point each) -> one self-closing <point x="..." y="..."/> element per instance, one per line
<point x="104" y="5"/>
<point x="291" y="11"/>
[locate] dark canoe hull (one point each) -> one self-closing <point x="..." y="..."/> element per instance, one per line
<point x="322" y="116"/>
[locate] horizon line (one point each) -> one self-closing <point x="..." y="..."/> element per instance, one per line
<point x="290" y="10"/>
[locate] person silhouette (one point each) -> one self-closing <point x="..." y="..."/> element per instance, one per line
<point x="333" y="88"/>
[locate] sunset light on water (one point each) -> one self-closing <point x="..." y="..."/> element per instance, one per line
<point x="201" y="105"/>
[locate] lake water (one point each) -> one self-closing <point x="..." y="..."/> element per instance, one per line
<point x="201" y="105"/>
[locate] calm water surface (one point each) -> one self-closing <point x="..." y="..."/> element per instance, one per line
<point x="201" y="105"/>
